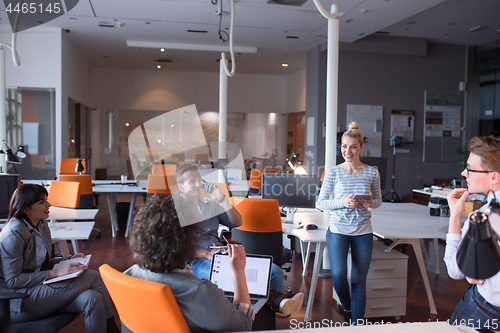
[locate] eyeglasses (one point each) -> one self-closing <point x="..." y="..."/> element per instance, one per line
<point x="478" y="171"/>
<point x="219" y="249"/>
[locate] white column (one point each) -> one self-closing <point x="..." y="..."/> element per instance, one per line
<point x="332" y="74"/>
<point x="3" y="119"/>
<point x="222" y="118"/>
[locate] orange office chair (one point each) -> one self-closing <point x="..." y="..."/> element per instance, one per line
<point x="160" y="184"/>
<point x="67" y="165"/>
<point x="164" y="169"/>
<point x="86" y="192"/>
<point x="261" y="230"/>
<point x="255" y="183"/>
<point x="143" y="306"/>
<point x="64" y="194"/>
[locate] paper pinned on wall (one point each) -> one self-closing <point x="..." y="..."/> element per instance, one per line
<point x="370" y="121"/>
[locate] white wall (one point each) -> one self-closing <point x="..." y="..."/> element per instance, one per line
<point x="296" y="92"/>
<point x="75" y="84"/>
<point x="40" y="52"/>
<point x="163" y="90"/>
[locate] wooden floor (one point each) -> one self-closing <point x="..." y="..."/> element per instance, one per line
<point x="447" y="292"/>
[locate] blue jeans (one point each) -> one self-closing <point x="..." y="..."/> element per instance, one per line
<point x="201" y="268"/>
<point x="361" y="254"/>
<point x="474" y="311"/>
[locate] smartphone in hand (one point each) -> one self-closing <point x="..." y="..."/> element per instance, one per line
<point x="206" y="186"/>
<point x="361" y="196"/>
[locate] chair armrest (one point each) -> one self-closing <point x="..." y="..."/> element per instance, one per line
<point x="12" y="295"/>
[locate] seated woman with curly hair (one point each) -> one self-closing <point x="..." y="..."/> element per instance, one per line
<point x="161" y="248"/>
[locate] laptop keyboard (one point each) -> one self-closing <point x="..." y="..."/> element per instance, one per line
<point x="252" y="300"/>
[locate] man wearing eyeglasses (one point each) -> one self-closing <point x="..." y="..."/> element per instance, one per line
<point x="480" y="305"/>
<point x="210" y="212"/>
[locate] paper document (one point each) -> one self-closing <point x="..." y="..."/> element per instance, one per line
<point x="82" y="260"/>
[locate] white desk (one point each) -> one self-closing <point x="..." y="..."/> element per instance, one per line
<point x="74" y="231"/>
<point x="406" y="223"/>
<point x="71" y="230"/>
<point x="110" y="187"/>
<point x="104" y="186"/>
<point x="326" y="326"/>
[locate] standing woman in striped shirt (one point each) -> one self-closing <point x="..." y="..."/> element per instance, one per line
<point x="350" y="222"/>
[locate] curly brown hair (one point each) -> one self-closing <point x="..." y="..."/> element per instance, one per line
<point x="158" y="241"/>
<point x="488" y="149"/>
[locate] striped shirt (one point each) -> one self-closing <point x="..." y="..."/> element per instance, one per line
<point x="339" y="184"/>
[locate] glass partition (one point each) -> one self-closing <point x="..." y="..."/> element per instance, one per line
<point x="30" y="118"/>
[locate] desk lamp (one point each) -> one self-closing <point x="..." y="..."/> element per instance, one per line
<point x="79" y="166"/>
<point x="478" y="256"/>
<point x="20" y="152"/>
<point x="10" y="157"/>
<point x="293" y="163"/>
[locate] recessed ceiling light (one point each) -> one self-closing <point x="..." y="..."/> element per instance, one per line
<point x="162" y="50"/>
<point x="158" y="66"/>
<point x="292" y="37"/>
<point x="198" y="31"/>
<point x="284" y="65"/>
<point x="476" y="28"/>
<point x="363" y="10"/>
<point x="73" y="18"/>
<point x="159" y="141"/>
<point x="127" y="124"/>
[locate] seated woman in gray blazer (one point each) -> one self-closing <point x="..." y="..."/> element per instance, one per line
<point x="26" y="262"/>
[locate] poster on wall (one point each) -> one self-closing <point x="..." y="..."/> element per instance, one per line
<point x="370" y="121"/>
<point x="442" y="125"/>
<point x="403" y="124"/>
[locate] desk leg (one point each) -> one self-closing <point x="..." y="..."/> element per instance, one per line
<point x="318" y="258"/>
<point x="63" y="246"/>
<point x="133" y="197"/>
<point x="417" y="248"/>
<point x="112" y="212"/>
<point x="436" y="250"/>
<point x="76" y="249"/>
<point x="305" y="259"/>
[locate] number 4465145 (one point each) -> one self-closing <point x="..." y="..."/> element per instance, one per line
<point x="34" y="8"/>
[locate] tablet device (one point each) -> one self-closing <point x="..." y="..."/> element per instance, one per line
<point x="361" y="196"/>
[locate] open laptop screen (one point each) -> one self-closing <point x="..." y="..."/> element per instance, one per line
<point x="257" y="271"/>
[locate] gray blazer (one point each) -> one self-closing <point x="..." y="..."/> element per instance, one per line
<point x="18" y="258"/>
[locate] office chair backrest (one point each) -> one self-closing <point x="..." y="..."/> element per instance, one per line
<point x="67" y="166"/>
<point x="161" y="184"/>
<point x="164" y="169"/>
<point x="64" y="194"/>
<point x="222" y="186"/>
<point x="260" y="232"/>
<point x="256" y="177"/>
<point x="86" y="192"/>
<point x="143" y="306"/>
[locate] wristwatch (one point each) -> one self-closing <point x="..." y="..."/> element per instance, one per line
<point x="223" y="198"/>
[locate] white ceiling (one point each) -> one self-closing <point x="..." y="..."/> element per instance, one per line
<point x="262" y="25"/>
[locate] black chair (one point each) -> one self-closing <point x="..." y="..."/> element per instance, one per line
<point x="51" y="324"/>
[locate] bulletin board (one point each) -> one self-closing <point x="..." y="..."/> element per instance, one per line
<point x="442" y="126"/>
<point x="370" y="121"/>
<point x="403" y="124"/>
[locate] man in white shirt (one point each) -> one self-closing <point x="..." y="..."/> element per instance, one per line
<point x="480" y="305"/>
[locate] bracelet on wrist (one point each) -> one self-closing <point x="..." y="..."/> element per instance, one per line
<point x="223" y="198"/>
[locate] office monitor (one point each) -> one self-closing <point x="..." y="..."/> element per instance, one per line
<point x="292" y="191"/>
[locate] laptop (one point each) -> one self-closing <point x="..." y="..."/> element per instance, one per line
<point x="257" y="272"/>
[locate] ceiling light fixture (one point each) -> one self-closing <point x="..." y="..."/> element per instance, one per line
<point x="284" y="65"/>
<point x="158" y="66"/>
<point x="476" y="28"/>
<point x="190" y="47"/>
<point x="162" y="50"/>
